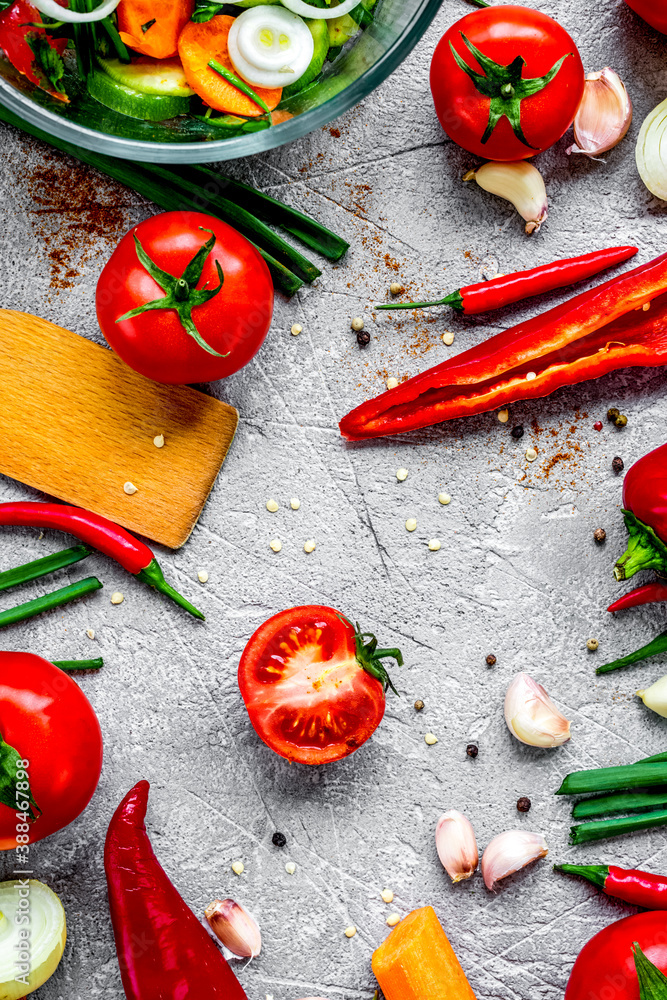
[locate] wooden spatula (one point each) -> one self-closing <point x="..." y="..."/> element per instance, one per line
<point x="77" y="423"/>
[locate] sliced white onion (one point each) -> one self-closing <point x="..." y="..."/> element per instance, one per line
<point x="30" y="949"/>
<point x="651" y="153"/>
<point x="53" y="9"/>
<point x="269" y="46"/>
<point x="308" y="10"/>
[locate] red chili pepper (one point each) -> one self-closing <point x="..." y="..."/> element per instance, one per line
<point x="101" y="534"/>
<point x="650" y="593"/>
<point x="16" y="32"/>
<point x="645" y="510"/>
<point x="508" y="288"/>
<point x="592" y="334"/>
<point x="163" y="950"/>
<point x="605" y="968"/>
<point x="632" y="886"/>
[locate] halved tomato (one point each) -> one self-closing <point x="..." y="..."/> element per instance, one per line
<point x="313" y="686"/>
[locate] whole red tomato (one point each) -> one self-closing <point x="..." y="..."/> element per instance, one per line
<point x="506" y="82"/>
<point x="314" y="690"/>
<point x="16" y="22"/>
<point x="654" y="13"/>
<point x="185" y="298"/>
<point x="47" y="719"/>
<point x="605" y="968"/>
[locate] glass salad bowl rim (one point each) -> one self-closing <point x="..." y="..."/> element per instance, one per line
<point x="226" y="149"/>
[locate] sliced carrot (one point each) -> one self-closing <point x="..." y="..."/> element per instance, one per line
<point x="278" y="117"/>
<point x="153" y="26"/>
<point x="200" y="43"/>
<point x="417" y="962"/>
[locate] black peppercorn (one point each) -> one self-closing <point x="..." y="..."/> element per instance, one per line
<point x="617" y="465"/>
<point x="491" y="660"/>
<point x="472" y="750"/>
<point x="279" y="839"/>
<point x="613" y="414"/>
<point x="363" y="338"/>
<point x="523" y="804"/>
<point x="600" y="535"/>
<point x="419" y="704"/>
<point x="517" y="432"/>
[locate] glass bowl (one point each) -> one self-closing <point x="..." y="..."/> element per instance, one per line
<point x="363" y="66"/>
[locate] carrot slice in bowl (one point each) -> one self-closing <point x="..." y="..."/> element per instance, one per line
<point x="152" y="27"/>
<point x="200" y="43"/>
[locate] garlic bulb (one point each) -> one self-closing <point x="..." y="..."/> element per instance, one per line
<point x="655" y="697"/>
<point x="456" y="845"/>
<point x="521" y="183"/>
<point x="604" y="115"/>
<point x="234" y="927"/>
<point x="651" y="152"/>
<point x="531" y="715"/>
<point x="510" y="851"/>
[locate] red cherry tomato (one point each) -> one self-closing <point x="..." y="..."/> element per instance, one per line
<point x="233" y="323"/>
<point x="605" y="968"/>
<point x="308" y="694"/>
<point x="15" y="24"/>
<point x="47" y="719"/>
<point x="488" y="115"/>
<point x="653" y="13"/>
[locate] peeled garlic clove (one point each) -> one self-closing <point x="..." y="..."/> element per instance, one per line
<point x="655" y="697"/>
<point x="521" y="183"/>
<point x="234" y="927"/>
<point x="510" y="851"/>
<point x="456" y="845"/>
<point x="651" y="152"/>
<point x="604" y="115"/>
<point x="531" y="715"/>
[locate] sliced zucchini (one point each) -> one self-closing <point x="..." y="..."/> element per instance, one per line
<point x="341" y="30"/>
<point x="163" y="77"/>
<point x="134" y="104"/>
<point x="320" y="32"/>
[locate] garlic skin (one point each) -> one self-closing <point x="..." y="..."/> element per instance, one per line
<point x="531" y="715"/>
<point x="655" y="697"/>
<point x="456" y="845"/>
<point x="234" y="927"/>
<point x="520" y="183"/>
<point x="510" y="851"/>
<point x="604" y="115"/>
<point x="651" y="151"/>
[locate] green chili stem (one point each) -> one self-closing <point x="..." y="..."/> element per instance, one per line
<point x="79" y="664"/>
<point x="612" y="779"/>
<point x="240" y="84"/>
<point x="657" y="645"/>
<point x="586" y="832"/>
<point x="597" y="874"/>
<point x="454" y="299"/>
<point x="40" y="567"/>
<point x="49" y="601"/>
<point x="623" y="802"/>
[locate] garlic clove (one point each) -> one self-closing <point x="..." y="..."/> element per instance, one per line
<point x="655" y="697"/>
<point x="510" y="851"/>
<point x="234" y="927"/>
<point x="456" y="845"/>
<point x="531" y="715"/>
<point x="520" y="183"/>
<point x="604" y="115"/>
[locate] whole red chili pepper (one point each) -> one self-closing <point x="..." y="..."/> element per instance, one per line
<point x="650" y="593"/>
<point x="508" y="288"/>
<point x="101" y="534"/>
<point x="645" y="510"/>
<point x="592" y="334"/>
<point x="605" y="968"/>
<point x="632" y="886"/>
<point x="163" y="950"/>
<point x="654" y="13"/>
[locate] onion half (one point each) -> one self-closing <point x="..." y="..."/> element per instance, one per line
<point x="30" y="951"/>
<point x="269" y="46"/>
<point x="651" y="152"/>
<point x="53" y="9"/>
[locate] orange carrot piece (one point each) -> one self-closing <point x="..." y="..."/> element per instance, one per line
<point x="417" y="962"/>
<point x="160" y="40"/>
<point x="199" y="43"/>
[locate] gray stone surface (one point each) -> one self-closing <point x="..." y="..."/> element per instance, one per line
<point x="518" y="573"/>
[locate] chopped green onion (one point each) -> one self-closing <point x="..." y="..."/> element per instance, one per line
<point x="586" y="832"/>
<point x="40" y="567"/>
<point x="611" y="779"/>
<point x="623" y="802"/>
<point x="49" y="601"/>
<point x="657" y="645"/>
<point x="79" y="664"/>
<point x="240" y="84"/>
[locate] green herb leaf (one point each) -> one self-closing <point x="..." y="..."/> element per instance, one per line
<point x="47" y="64"/>
<point x="652" y="982"/>
<point x="204" y="11"/>
<point x="18" y="799"/>
<point x="4" y="4"/>
<point x="149" y="24"/>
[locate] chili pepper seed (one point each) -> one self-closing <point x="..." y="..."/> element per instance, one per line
<point x="275" y="544"/>
<point x="617" y="465"/>
<point x="238" y="867"/>
<point x="279" y="839"/>
<point x="472" y="750"/>
<point x="90" y="632"/>
<point x="411" y="524"/>
<point x="419" y="704"/>
<point x="597" y="426"/>
<point x="290" y="867"/>
<point x="517" y="432"/>
<point x="357" y="324"/>
<point x="503" y="416"/>
<point x="363" y="338"/>
<point x="491" y="660"/>
<point x="530" y="376"/>
<point x="434" y="545"/>
<point x="531" y="454"/>
<point x="158" y="440"/>
<point x="392" y="382"/>
<point x="592" y="645"/>
<point x="117" y="597"/>
<point x="646" y="307"/>
<point x="309" y="545"/>
<point x="387" y="896"/>
<point x="401" y="475"/>
<point x="600" y="535"/>
<point x="444" y="499"/>
<point x="430" y="739"/>
<point x="295" y="503"/>
<point x="396" y="288"/>
<point x="448" y="338"/>
<point x="130" y="488"/>
<point x="296" y="330"/>
<point x="350" y="931"/>
<point x="393" y="919"/>
<point x="202" y="576"/>
<point x="271" y="506"/>
<point x="523" y="804"/>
